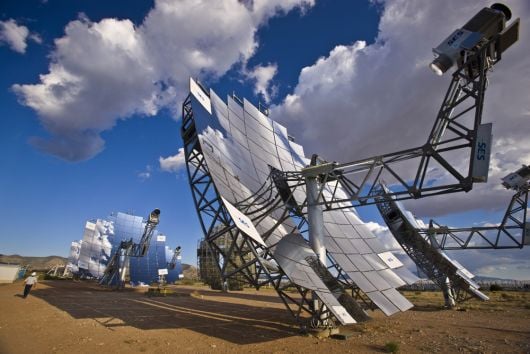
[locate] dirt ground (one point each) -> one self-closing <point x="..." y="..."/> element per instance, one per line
<point x="81" y="317"/>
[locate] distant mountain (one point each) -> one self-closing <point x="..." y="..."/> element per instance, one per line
<point x="491" y="279"/>
<point x="34" y="263"/>
<point x="189" y="271"/>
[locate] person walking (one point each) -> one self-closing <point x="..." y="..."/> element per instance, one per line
<point x="30" y="281"/>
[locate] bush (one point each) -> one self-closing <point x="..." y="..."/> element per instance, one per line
<point x="495" y="287"/>
<point x="392" y="347"/>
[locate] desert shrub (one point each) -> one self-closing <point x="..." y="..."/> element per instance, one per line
<point x="495" y="287"/>
<point x="392" y="347"/>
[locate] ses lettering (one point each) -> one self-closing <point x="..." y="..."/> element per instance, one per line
<point x="481" y="152"/>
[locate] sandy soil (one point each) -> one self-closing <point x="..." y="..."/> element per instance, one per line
<point x="69" y="317"/>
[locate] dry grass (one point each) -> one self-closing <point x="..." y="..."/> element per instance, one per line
<point x="499" y="300"/>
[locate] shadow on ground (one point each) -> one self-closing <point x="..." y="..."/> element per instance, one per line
<point x="273" y="298"/>
<point x="236" y="323"/>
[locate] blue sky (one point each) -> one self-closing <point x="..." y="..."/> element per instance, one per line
<point x="90" y="102"/>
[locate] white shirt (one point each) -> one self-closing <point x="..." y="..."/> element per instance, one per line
<point x="31" y="280"/>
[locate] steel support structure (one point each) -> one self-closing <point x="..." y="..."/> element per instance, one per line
<point x="277" y="195"/>
<point x="425" y="256"/>
<point x="512" y="232"/>
<point x="114" y="274"/>
<point x="300" y="216"/>
<point x="175" y="258"/>
<point x="55" y="269"/>
<point x="208" y="265"/>
<point x="315" y="219"/>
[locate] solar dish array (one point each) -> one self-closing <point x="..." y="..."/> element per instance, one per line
<point x="239" y="143"/>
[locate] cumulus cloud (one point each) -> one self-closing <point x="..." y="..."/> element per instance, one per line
<point x="16" y="36"/>
<point x="384" y="235"/>
<point x="173" y="163"/>
<point x="263" y="75"/>
<point x="35" y="37"/>
<point x="363" y="100"/>
<point x="262" y="10"/>
<point x="108" y="70"/>
<point x="497" y="263"/>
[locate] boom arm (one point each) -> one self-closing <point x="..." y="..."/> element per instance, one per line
<point x="436" y="167"/>
<point x="118" y="263"/>
<point x="140" y="249"/>
<point x="176" y="256"/>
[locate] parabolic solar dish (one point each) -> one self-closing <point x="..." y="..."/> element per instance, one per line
<point x="240" y="145"/>
<point x="142" y="269"/>
<point x="96" y="247"/>
<point x="101" y="240"/>
<point x="73" y="256"/>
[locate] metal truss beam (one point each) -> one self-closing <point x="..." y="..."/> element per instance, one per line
<point x="427" y="258"/>
<point x="510" y="233"/>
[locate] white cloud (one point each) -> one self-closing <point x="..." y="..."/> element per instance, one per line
<point x="35" y="37"/>
<point x="497" y="263"/>
<point x="173" y="163"/>
<point x="263" y="75"/>
<point x="16" y="36"/>
<point x="262" y="10"/>
<point x="364" y="100"/>
<point x="490" y="224"/>
<point x="384" y="235"/>
<point x="146" y="174"/>
<point x="108" y="70"/>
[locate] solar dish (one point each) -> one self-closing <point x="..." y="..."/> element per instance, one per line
<point x="240" y="145"/>
<point x="95" y="248"/>
<point x="142" y="269"/>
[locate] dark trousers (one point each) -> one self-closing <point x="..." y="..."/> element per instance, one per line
<point x="27" y="288"/>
